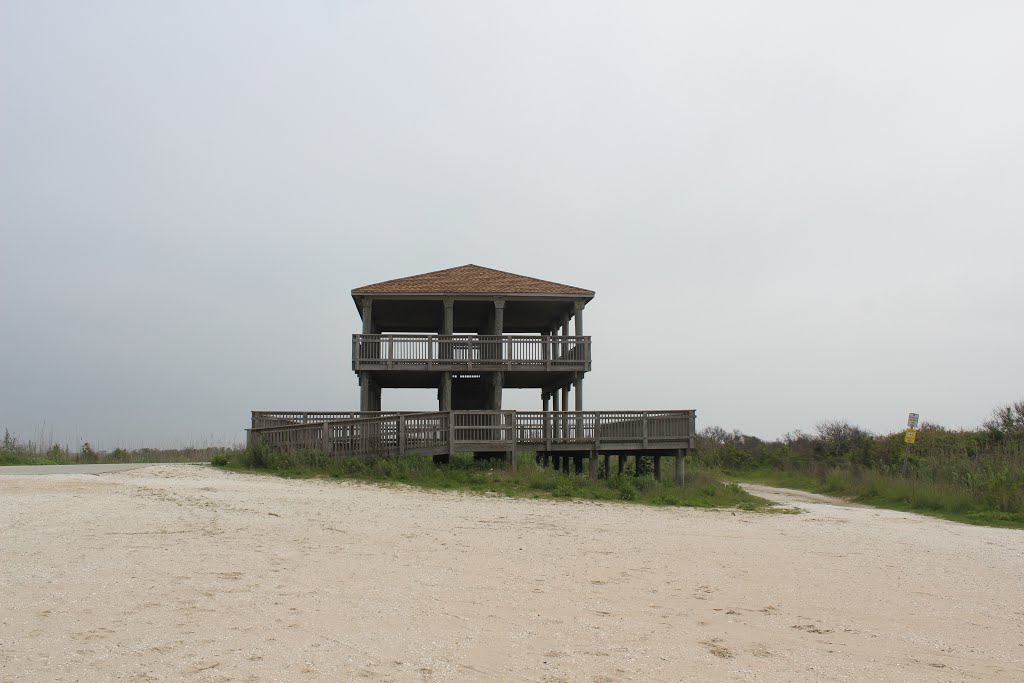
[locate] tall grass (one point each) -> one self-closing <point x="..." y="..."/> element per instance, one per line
<point x="968" y="475"/>
<point x="15" y="452"/>
<point x="494" y="477"/>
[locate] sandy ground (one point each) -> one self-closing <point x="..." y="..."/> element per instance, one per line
<point x="186" y="573"/>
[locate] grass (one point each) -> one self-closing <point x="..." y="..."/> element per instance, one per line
<point x="528" y="480"/>
<point x="24" y="459"/>
<point x="27" y="456"/>
<point x="926" y="497"/>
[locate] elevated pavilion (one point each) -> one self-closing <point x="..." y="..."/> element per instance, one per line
<point x="470" y="332"/>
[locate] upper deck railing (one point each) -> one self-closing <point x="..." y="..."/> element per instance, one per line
<point x="454" y="352"/>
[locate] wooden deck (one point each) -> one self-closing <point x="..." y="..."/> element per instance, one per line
<point x="470" y="352"/>
<point x="546" y="433"/>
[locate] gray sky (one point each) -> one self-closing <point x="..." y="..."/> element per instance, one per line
<point x="816" y="206"/>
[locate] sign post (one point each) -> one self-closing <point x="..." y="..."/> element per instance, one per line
<point x="909" y="437"/>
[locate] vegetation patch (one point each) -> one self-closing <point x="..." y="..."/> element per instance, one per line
<point x="529" y="479"/>
<point x="973" y="476"/>
<point x="16" y="452"/>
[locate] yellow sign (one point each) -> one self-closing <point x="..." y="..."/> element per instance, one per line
<point x="910" y="436"/>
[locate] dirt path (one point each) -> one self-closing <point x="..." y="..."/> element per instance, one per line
<point x="796" y="497"/>
<point x="186" y="573"/>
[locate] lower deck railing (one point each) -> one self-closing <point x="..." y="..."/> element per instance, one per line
<point x="389" y="434"/>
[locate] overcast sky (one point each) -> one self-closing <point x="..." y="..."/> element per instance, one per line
<point x="815" y="208"/>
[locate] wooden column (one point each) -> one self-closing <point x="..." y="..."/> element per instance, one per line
<point x="607" y="465"/>
<point x="680" y="467"/>
<point x="448" y="316"/>
<point x="498" y="329"/>
<point x="499" y="316"/>
<point x="556" y="406"/>
<point x="444" y="392"/>
<point x="444" y="352"/>
<point x="593" y="465"/>
<point x="364" y="392"/>
<point x="497" y="384"/>
<point x="565" y="407"/>
<point x="657" y="467"/>
<point x="367" y="313"/>
<point x="579" y="318"/>
<point x="564" y="333"/>
<point x="622" y="464"/>
<point x="365" y="383"/>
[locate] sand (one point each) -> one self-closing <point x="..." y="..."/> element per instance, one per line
<point x="187" y="573"/>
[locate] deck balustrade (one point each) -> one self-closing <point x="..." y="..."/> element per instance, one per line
<point x="383" y="434"/>
<point x="509" y="352"/>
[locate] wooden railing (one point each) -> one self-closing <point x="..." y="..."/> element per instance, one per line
<point x="644" y="429"/>
<point x="389" y="434"/>
<point x="281" y="418"/>
<point x="469" y="352"/>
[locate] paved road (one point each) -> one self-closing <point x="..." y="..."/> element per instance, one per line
<point x="70" y="469"/>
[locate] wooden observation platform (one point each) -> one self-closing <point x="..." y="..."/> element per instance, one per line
<point x="470" y="332"/>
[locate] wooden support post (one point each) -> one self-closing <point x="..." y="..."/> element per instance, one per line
<point x="445" y="350"/>
<point x="593" y="465"/>
<point x="565" y="407"/>
<point x="445" y="393"/>
<point x="497" y="384"/>
<point x="622" y="464"/>
<point x="565" y="464"/>
<point x="401" y="435"/>
<point x="367" y="315"/>
<point x="657" y="467"/>
<point x="364" y="392"/>
<point x="577" y="464"/>
<point x="556" y="407"/>
<point x="451" y="435"/>
<point x="607" y="465"/>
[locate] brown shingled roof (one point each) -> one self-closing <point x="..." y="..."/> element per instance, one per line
<point x="470" y="279"/>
